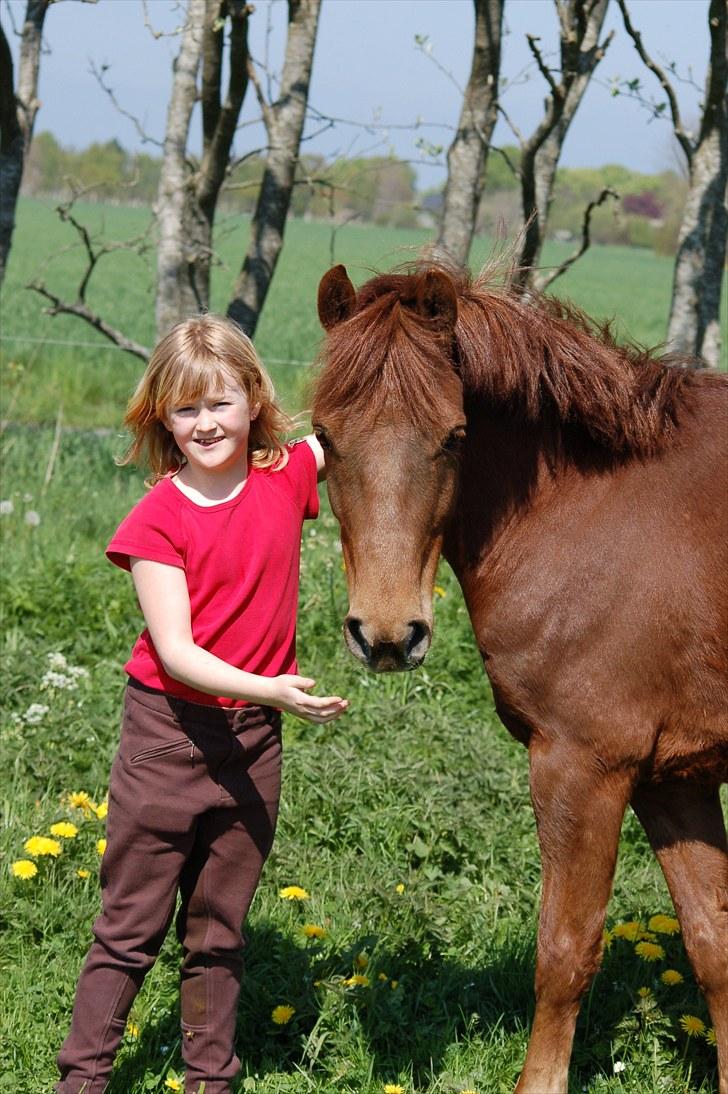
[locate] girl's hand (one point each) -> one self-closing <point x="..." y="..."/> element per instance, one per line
<point x="290" y="694"/>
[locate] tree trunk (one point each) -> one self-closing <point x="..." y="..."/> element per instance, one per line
<point x="177" y="293"/>
<point x="284" y="124"/>
<point x="17" y="115"/>
<point x="694" y="324"/>
<point x="581" y="23"/>
<point x="468" y="154"/>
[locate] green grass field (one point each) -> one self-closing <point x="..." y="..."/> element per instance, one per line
<point x="408" y="822"/>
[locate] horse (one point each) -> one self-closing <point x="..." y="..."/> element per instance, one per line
<point x="578" y="489"/>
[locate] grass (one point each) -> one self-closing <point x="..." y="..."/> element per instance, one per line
<point x="408" y="821"/>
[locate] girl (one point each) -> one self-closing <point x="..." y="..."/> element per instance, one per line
<point x="213" y="550"/>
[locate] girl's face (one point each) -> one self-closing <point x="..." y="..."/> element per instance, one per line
<point x="212" y="432"/>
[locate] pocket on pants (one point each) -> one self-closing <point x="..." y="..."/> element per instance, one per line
<point x="167" y="749"/>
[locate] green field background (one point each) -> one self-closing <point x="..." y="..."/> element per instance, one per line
<point x="408" y="821"/>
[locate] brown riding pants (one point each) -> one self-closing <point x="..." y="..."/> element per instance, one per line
<point x="193" y="802"/>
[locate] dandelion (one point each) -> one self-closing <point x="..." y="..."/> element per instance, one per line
<point x="293" y="892"/>
<point x="101" y="846"/>
<point x="646" y="936"/>
<point x="83" y="874"/>
<point x="35" y="714"/>
<point x="606" y="939"/>
<point x="649" y="951"/>
<point x="102" y="810"/>
<point x="64" y="829"/>
<point x="394" y="984"/>
<point x="671" y="976"/>
<point x="172" y="1084"/>
<point x="358" y="980"/>
<point x="644" y="993"/>
<point x="361" y="960"/>
<point x="312" y="930"/>
<point x="79" y="799"/>
<point x="664" y="924"/>
<point x="692" y="1025"/>
<point x="399" y="888"/>
<point x="42" y="845"/>
<point x="282" y="1014"/>
<point x="710" y="1037"/>
<point x="439" y="591"/>
<point x="133" y="1030"/>
<point x="393" y="1088"/>
<point x="618" y="1067"/>
<point x="32" y="518"/>
<point x="6" y="507"/>
<point x="24" y="869"/>
<point x="628" y="930"/>
<point x="383" y="977"/>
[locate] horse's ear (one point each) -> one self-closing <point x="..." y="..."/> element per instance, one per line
<point x="436" y="298"/>
<point x="336" y="297"/>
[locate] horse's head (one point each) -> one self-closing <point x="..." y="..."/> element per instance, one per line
<point x="388" y="410"/>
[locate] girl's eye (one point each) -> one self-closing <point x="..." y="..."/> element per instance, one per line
<point x="221" y="404"/>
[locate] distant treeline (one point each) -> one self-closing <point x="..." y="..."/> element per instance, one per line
<point x="380" y="190"/>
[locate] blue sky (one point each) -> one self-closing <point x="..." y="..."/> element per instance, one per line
<point x="368" y="69"/>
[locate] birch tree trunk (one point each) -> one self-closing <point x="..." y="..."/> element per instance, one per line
<point x="17" y="117"/>
<point x="468" y="154"/>
<point x="580" y="26"/>
<point x="284" y="125"/>
<point x="694" y="323"/>
<point x="177" y="293"/>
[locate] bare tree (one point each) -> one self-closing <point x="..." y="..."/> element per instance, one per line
<point x="694" y="323"/>
<point x="17" y="117"/>
<point x="468" y="154"/>
<point x="283" y="120"/>
<point x="580" y="24"/>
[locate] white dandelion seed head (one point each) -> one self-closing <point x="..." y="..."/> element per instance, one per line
<point x="619" y="1067"/>
<point x="32" y="518"/>
<point x="6" y="507"/>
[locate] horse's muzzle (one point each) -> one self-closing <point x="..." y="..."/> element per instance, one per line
<point x="384" y="654"/>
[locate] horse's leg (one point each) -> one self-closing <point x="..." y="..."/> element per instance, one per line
<point x="579" y="811"/>
<point x="684" y="824"/>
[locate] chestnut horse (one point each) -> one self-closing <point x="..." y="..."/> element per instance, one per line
<point x="578" y="489"/>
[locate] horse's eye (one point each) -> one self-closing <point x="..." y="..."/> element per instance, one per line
<point x="322" y="438"/>
<point x="454" y="439"/>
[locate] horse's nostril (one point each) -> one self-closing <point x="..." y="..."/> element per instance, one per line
<point x="355" y="630"/>
<point x="418" y="632"/>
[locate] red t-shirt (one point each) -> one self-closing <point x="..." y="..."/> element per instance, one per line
<point x="241" y="560"/>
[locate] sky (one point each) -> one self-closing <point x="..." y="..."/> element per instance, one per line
<point x="368" y="70"/>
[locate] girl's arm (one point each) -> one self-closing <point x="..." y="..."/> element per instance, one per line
<point x="313" y="442"/>
<point x="165" y="602"/>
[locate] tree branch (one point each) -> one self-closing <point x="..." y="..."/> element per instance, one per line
<point x="556" y="89"/>
<point x="542" y="283"/>
<point x="79" y="309"/>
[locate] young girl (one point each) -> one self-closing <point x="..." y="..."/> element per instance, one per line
<point x="213" y="550"/>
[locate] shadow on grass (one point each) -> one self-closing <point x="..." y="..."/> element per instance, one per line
<point x="436" y="1003"/>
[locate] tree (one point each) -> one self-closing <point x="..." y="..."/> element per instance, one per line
<point x="694" y="322"/>
<point x="580" y="24"/>
<point x="284" y="126"/>
<point x="467" y="156"/>
<point x="17" y="117"/>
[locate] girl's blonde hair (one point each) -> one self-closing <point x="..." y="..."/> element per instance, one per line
<point x="195" y="358"/>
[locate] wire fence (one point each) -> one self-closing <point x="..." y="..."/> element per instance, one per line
<point x="120" y="349"/>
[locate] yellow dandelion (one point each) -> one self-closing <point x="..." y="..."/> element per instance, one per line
<point x="42" y="845"/>
<point x="439" y="591"/>
<point x="692" y="1025"/>
<point x="282" y="1014"/>
<point x="710" y="1037"/>
<point x="79" y="799"/>
<point x="664" y="924"/>
<point x="399" y="888"/>
<point x="102" y="810"/>
<point x="133" y="1030"/>
<point x="644" y="993"/>
<point x="172" y="1084"/>
<point x="24" y="869"/>
<point x="293" y="892"/>
<point x="101" y="846"/>
<point x="393" y="1088"/>
<point x="606" y="939"/>
<point x="469" y="1091"/>
<point x="646" y="936"/>
<point x="393" y="984"/>
<point x="649" y="951"/>
<point x="312" y="930"/>
<point x="671" y="976"/>
<point x="358" y="980"/>
<point x="628" y="930"/>
<point x="383" y="977"/>
<point x="64" y="829"/>
<point x="83" y="873"/>
<point x="361" y="960"/>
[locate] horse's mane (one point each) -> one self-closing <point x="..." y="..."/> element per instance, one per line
<point x="532" y="354"/>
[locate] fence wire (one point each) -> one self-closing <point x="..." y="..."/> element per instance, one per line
<point x="110" y="346"/>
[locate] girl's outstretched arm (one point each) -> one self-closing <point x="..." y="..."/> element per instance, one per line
<point x="314" y="444"/>
<point x="165" y="602"/>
